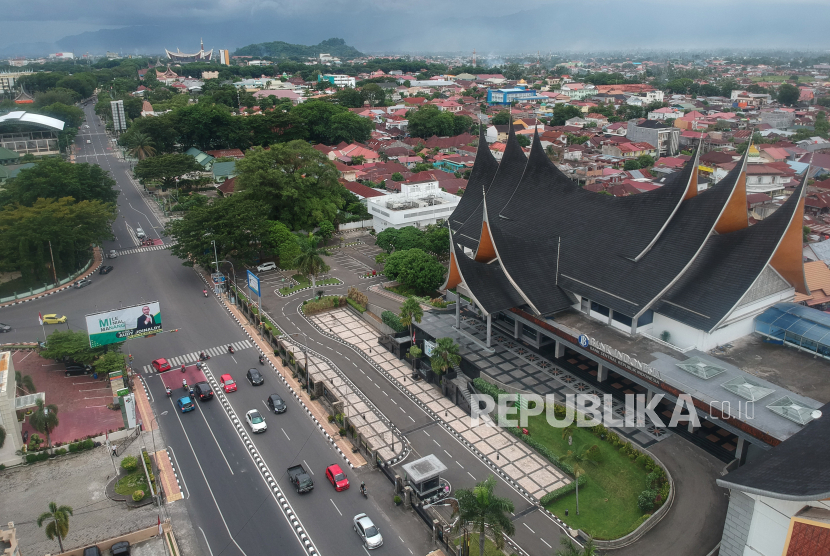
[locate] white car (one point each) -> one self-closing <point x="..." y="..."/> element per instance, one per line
<point x="367" y="531"/>
<point x="139" y="233"/>
<point x="266" y="266"/>
<point x="255" y="421"/>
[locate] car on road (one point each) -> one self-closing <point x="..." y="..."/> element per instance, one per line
<point x="106" y="269"/>
<point x="113" y="254"/>
<point x="255" y="421"/>
<point x="161" y="365"/>
<point x="77" y="369"/>
<point x="82" y="283"/>
<point x="337" y="478"/>
<point x="52" y="318"/>
<point x="139" y="233"/>
<point x="203" y="390"/>
<point x="185" y="404"/>
<point x="266" y="266"/>
<point x="255" y="377"/>
<point x="5" y="327"/>
<point x="276" y="404"/>
<point x="88" y="142"/>
<point x="228" y="385"/>
<point x="367" y="531"/>
<point x="300" y="479"/>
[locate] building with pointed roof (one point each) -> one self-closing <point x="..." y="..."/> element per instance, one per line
<point x="183" y="58"/>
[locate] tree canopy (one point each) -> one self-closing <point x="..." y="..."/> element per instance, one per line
<point x="428" y="120"/>
<point x="330" y="123"/>
<point x="788" y="94"/>
<point x="166" y="168"/>
<point x="54" y="178"/>
<point x="415" y="269"/>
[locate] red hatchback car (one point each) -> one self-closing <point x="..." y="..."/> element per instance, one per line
<point x="228" y="385"/>
<point x="161" y="365"/>
<point x="337" y="478"/>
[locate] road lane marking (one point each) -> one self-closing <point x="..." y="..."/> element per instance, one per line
<point x="446" y="452"/>
<point x="286" y="435"/>
<point x="544" y="541"/>
<point x="206" y="541"/>
<point x="459" y="465"/>
<point x="528" y="528"/>
<point x="413" y="420"/>
<point x="335" y="505"/>
<point x="471" y="475"/>
<point x="307" y="465"/>
<point x="210" y="430"/>
<point x="179" y="467"/>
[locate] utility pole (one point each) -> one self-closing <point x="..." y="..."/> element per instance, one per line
<point x="54" y="272"/>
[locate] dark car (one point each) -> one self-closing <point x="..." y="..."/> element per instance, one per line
<point x="5" y="327"/>
<point x="121" y="549"/>
<point x="203" y="390"/>
<point x="92" y="551"/>
<point x="255" y="377"/>
<point x="77" y="370"/>
<point x="105" y="269"/>
<point x="276" y="404"/>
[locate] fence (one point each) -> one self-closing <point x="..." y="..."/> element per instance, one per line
<point x="355" y="225"/>
<point x="47" y="287"/>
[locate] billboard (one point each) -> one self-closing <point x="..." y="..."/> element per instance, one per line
<point x="253" y="282"/>
<point x="117" y="325"/>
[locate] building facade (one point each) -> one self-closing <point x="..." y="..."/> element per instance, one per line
<point x="337" y="80"/>
<point x="418" y="204"/>
<point x="665" y="138"/>
<point x="516" y="94"/>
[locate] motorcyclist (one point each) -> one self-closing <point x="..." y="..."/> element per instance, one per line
<point x="169" y="391"/>
<point x="202" y="356"/>
<point x="184" y="383"/>
<point x="183" y="367"/>
<point x="362" y="487"/>
<point x="204" y="292"/>
<point x="230" y="348"/>
<point x="261" y="359"/>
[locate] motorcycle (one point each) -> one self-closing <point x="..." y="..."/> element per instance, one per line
<point x="184" y="385"/>
<point x="363" y="491"/>
<point x="262" y="360"/>
<point x="203" y="356"/>
<point x="230" y="350"/>
<point x="183" y="368"/>
<point x="169" y="391"/>
<point x="204" y="292"/>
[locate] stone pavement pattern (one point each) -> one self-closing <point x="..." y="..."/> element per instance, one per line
<point x="522" y="464"/>
<point x="77" y="481"/>
<point x="171" y="487"/>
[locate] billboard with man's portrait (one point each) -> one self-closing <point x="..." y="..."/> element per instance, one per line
<point x="117" y="325"/>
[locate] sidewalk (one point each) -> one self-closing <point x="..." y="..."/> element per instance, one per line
<point x="520" y="463"/>
<point x="97" y="260"/>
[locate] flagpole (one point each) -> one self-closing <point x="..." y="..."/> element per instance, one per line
<point x="40" y="319"/>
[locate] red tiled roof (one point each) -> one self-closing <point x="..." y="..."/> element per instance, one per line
<point x="362" y="190"/>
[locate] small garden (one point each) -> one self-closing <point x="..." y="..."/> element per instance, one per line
<point x="490" y="548"/>
<point x="134" y="483"/>
<point x="303" y="282"/>
<point x="619" y="486"/>
<point x="320" y="304"/>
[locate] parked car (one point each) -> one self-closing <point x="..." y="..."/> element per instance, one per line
<point x="5" y="327"/>
<point x="255" y="377"/>
<point x="266" y="266"/>
<point x="337" y="478"/>
<point x="203" y="390"/>
<point x="82" y="283"/>
<point x="255" y="421"/>
<point x="161" y="365"/>
<point x="121" y="549"/>
<point x="92" y="551"/>
<point x="228" y="385"/>
<point x="185" y="404"/>
<point x="52" y="318"/>
<point x="106" y="269"/>
<point x="276" y="404"/>
<point x="300" y="479"/>
<point x="113" y="254"/>
<point x="77" y="369"/>
<point x="367" y="531"/>
<point x="139" y="233"/>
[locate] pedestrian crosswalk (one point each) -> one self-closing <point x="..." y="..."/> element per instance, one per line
<point x="142" y="249"/>
<point x="191" y="358"/>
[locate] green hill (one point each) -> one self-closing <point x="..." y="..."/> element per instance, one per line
<point x="278" y="49"/>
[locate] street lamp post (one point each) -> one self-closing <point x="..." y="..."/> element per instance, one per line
<point x="234" y="276"/>
<point x="307" y="371"/>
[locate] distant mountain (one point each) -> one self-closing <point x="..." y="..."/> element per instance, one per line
<point x="278" y="49"/>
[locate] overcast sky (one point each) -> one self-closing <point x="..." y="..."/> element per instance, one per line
<point x="422" y="25"/>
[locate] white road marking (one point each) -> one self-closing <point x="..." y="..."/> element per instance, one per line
<point x="307" y="465"/>
<point x="286" y="434"/>
<point x="206" y="541"/>
<point x="462" y="467"/>
<point x="413" y="420"/>
<point x="335" y="505"/>
<point x="544" y="541"/>
<point x="471" y="475"/>
<point x="210" y="430"/>
<point x="528" y="528"/>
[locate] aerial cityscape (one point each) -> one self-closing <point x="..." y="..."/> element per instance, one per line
<point x="324" y="281"/>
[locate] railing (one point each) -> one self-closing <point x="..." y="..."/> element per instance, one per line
<point x="47" y="287"/>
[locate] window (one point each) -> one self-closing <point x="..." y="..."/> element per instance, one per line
<point x="601" y="309"/>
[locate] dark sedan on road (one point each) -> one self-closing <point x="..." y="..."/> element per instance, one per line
<point x="203" y="390"/>
<point x="276" y="404"/>
<point x="105" y="269"/>
<point x="255" y="377"/>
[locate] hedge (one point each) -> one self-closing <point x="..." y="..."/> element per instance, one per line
<point x="392" y="320"/>
<point x="355" y="305"/>
<point x="562" y="491"/>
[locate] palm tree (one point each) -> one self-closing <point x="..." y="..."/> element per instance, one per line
<point x="58" y="522"/>
<point x="25" y="384"/>
<point x="445" y="355"/>
<point x="310" y="262"/>
<point x="141" y="146"/>
<point x="578" y="459"/>
<point x="568" y="548"/>
<point x="411" y="311"/>
<point x="45" y="419"/>
<point x="481" y="508"/>
<point x="569" y="430"/>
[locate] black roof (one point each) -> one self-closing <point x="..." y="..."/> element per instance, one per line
<point x="470" y="209"/>
<point x="795" y="470"/>
<point x="487" y="283"/>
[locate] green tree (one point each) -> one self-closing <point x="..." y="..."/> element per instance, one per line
<point x="480" y="508"/>
<point x="284" y="243"/>
<point x="295" y="181"/>
<point x="72" y="116"/>
<point x="57" y="522"/>
<point x="310" y="261"/>
<point x="411" y="311"/>
<point x="397" y="176"/>
<point x="564" y="112"/>
<point x="108" y="363"/>
<point x="631" y="164"/>
<point x="67" y="97"/>
<point x="788" y="94"/>
<point x="428" y="120"/>
<point x="44" y="419"/>
<point x="502" y="118"/>
<point x="326" y="230"/>
<point x="523" y="140"/>
<point x="400" y="239"/>
<point x="24" y="383"/>
<point x="578" y="459"/>
<point x="422" y="167"/>
<point x="71" y="344"/>
<point x="437" y="240"/>
<point x="52" y="178"/>
<point x="166" y="168"/>
<point x="569" y="549"/>
<point x="141" y="145"/>
<point x="348" y="97"/>
<point x="373" y="94"/>
<point x="329" y="123"/>
<point x="416" y="270"/>
<point x="444" y="355"/>
<point x="645" y="161"/>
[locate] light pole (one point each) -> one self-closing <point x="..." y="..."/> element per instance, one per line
<point x="307" y="371"/>
<point x="234" y="274"/>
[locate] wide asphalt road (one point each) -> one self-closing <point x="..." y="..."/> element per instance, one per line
<point x="227" y="498"/>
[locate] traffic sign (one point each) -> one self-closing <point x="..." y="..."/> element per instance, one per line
<point x="253" y="282"/>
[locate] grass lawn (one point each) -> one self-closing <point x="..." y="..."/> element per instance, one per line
<point x="303" y="282"/>
<point x="608" y="503"/>
<point x="489" y="546"/>
<point x="132" y="482"/>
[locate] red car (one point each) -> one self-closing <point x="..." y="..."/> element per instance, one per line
<point x="228" y="385"/>
<point x="337" y="478"/>
<point x="161" y="365"/>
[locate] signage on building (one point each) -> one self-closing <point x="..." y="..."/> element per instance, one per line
<point x="619" y="358"/>
<point x="429" y="347"/>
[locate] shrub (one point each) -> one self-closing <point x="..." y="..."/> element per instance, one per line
<point x="562" y="491"/>
<point x="655" y="478"/>
<point x="138" y="495"/>
<point x="331" y="418"/>
<point x="664" y="491"/>
<point x="60" y="451"/>
<point x="2" y="466"/>
<point x="646" y="501"/>
<point x="356" y="306"/>
<point x="358" y="297"/>
<point x="88" y="444"/>
<point x="31" y="458"/>
<point x="43" y="456"/>
<point x="392" y="320"/>
<point x="129" y="463"/>
<point x="342" y="431"/>
<point x="397" y="500"/>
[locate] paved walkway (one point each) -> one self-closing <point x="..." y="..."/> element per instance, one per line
<point x="97" y="259"/>
<point x="520" y="463"/>
<point x="169" y="482"/>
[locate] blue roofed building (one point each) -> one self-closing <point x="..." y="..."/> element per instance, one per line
<point x="520" y="93"/>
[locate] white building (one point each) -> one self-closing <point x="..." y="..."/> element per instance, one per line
<point x="418" y="204"/>
<point x="339" y="80"/>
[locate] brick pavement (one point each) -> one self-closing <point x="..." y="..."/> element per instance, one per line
<point x="519" y="462"/>
<point x="169" y="483"/>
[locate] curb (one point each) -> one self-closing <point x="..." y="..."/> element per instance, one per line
<point x="56" y="290"/>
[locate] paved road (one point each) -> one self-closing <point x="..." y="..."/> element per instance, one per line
<point x="231" y="508"/>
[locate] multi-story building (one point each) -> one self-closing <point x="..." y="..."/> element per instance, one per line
<point x="665" y="138"/>
<point x="337" y="80"/>
<point x="8" y="80"/>
<point x="418" y="204"/>
<point x="516" y="94"/>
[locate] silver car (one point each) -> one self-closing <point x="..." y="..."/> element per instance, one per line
<point x="367" y="531"/>
<point x="113" y="254"/>
<point x="139" y="233"/>
<point x="255" y="421"/>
